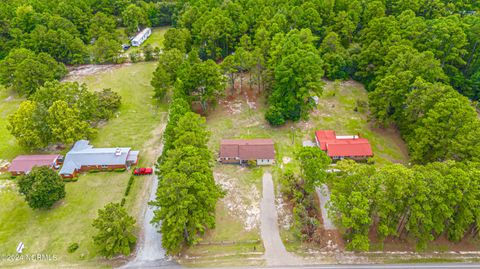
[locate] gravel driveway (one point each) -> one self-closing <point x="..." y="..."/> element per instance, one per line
<point x="150" y="252"/>
<point x="275" y="252"/>
<point x="324" y="196"/>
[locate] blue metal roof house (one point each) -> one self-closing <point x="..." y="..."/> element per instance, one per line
<point x="83" y="157"/>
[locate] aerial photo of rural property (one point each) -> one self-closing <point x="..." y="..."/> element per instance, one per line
<point x="240" y="134"/>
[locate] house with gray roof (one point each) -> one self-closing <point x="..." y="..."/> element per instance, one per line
<point x="84" y="157"/>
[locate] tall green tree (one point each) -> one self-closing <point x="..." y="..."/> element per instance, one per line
<point x="24" y="71"/>
<point x="115" y="231"/>
<point x="313" y="165"/>
<point x="42" y="187"/>
<point x="65" y="123"/>
<point x="298" y="71"/>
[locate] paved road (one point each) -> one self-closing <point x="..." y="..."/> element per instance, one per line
<point x="275" y="252"/>
<point x="324" y="196"/>
<point x="391" y="266"/>
<point x="369" y="266"/>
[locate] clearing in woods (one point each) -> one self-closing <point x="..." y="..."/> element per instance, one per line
<point x="240" y="114"/>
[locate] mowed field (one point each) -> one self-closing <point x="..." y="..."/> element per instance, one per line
<point x="137" y="124"/>
<point x="241" y="115"/>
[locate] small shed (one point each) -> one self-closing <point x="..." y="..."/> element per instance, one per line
<point x="23" y="164"/>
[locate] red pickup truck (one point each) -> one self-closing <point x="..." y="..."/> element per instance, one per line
<point x="143" y="171"/>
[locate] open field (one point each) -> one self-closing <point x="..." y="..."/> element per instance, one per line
<point x="52" y="231"/>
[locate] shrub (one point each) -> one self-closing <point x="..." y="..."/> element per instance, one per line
<point x="72" y="248"/>
<point x="274" y="116"/>
<point x="122" y="203"/>
<point x="129" y="185"/>
<point x="120" y="170"/>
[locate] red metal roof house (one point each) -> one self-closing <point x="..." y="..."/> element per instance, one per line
<point x="341" y="147"/>
<point x="241" y="151"/>
<point x="23" y="164"/>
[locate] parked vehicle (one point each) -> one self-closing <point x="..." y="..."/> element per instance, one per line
<point x="143" y="171"/>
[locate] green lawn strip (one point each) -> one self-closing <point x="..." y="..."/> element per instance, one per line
<point x="52" y="231"/>
<point x="9" y="103"/>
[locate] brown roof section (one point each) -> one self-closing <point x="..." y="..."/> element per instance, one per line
<point x="251" y="149"/>
<point x="25" y="163"/>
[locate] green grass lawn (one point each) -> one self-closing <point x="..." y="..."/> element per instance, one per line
<point x="52" y="231"/>
<point x="9" y="102"/>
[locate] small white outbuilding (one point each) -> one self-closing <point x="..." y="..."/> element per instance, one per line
<point x="141" y="37"/>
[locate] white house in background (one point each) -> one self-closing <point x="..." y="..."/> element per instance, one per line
<point x="141" y="37"/>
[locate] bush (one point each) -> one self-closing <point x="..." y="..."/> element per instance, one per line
<point x="73" y="179"/>
<point x="122" y="203"/>
<point x="120" y="170"/>
<point x="129" y="185"/>
<point x="93" y="171"/>
<point x="72" y="248"/>
<point x="274" y="116"/>
<point x="252" y="163"/>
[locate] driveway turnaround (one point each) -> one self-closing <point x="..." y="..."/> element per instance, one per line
<point x="275" y="252"/>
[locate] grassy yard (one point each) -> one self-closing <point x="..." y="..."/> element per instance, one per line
<point x="50" y="232"/>
<point x="236" y="238"/>
<point x="241" y="115"/>
<point x="9" y="102"/>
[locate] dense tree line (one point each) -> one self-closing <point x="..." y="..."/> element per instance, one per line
<point x="421" y="202"/>
<point x="76" y="32"/>
<point x="187" y="193"/>
<point x="299" y="189"/>
<point x="398" y="49"/>
<point x="61" y="113"/>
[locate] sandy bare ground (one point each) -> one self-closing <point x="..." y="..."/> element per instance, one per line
<point x="275" y="252"/>
<point x="74" y="73"/>
<point x="241" y="202"/>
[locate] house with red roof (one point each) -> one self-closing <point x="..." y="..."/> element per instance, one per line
<point x="23" y="164"/>
<point x="340" y="147"/>
<point x="241" y="151"/>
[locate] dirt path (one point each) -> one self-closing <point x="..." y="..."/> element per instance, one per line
<point x="324" y="196"/>
<point x="275" y="252"/>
